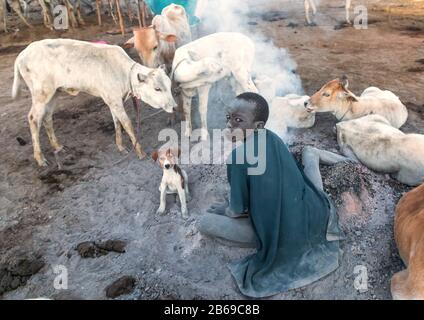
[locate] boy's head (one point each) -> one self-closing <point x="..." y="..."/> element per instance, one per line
<point x="248" y="111"/>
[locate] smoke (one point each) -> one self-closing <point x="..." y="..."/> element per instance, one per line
<point x="273" y="65"/>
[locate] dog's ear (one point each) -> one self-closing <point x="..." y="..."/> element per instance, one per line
<point x="168" y="152"/>
<point x="155" y="155"/>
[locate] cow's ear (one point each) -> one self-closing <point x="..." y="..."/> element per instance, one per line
<point x="171" y="38"/>
<point x="163" y="67"/>
<point x="141" y="77"/>
<point x="155" y="155"/>
<point x="129" y="44"/>
<point x="194" y="56"/>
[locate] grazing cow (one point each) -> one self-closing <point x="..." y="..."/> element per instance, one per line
<point x="199" y="64"/>
<point x="335" y="97"/>
<point x="101" y="70"/>
<point x="380" y="147"/>
<point x="289" y="112"/>
<point x="310" y="4"/>
<point x="408" y="284"/>
<point x="157" y="43"/>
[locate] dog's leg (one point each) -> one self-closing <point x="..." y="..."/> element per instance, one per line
<point x="183" y="202"/>
<point x="203" y="109"/>
<point x="162" y="205"/>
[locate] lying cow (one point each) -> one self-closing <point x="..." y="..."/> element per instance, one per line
<point x="284" y="112"/>
<point x="101" y="70"/>
<point x="157" y="43"/>
<point x="380" y="147"/>
<point x="199" y="64"/>
<point x="289" y="112"/>
<point x="408" y="284"/>
<point x="335" y="97"/>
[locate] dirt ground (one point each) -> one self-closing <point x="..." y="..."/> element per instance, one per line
<point x="46" y="213"/>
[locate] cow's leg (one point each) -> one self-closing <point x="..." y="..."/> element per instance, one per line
<point x="187" y="111"/>
<point x="79" y="15"/>
<point x="14" y="4"/>
<point x="307" y="7"/>
<point x="71" y="13"/>
<point x="244" y="81"/>
<point x="40" y="99"/>
<point x="118" y="110"/>
<point x="46" y="15"/>
<point x="3" y="11"/>
<point x="347" y="8"/>
<point x="203" y="92"/>
<point x="118" y="134"/>
<point x="312" y="157"/>
<point x="48" y="125"/>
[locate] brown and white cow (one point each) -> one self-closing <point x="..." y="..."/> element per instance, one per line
<point x="409" y="235"/>
<point x="335" y="97"/>
<point x="157" y="43"/>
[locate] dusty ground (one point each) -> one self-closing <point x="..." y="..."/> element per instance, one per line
<point x="45" y="213"/>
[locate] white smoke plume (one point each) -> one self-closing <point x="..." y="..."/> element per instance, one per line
<point x="273" y="65"/>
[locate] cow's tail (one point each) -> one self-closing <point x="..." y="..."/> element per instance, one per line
<point x="16" y="81"/>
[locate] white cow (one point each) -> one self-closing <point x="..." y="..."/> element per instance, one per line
<point x="383" y="148"/>
<point x="199" y="64"/>
<point x="335" y="97"/>
<point x="157" y="43"/>
<point x="289" y="112"/>
<point x="101" y="70"/>
<point x="310" y="4"/>
<point x="284" y="112"/>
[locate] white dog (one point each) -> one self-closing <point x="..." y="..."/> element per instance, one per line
<point x="174" y="180"/>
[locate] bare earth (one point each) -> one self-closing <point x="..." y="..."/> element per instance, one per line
<point x="46" y="213"/>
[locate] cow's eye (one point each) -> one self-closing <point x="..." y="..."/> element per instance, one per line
<point x="326" y="94"/>
<point x="158" y="89"/>
<point x="239" y="120"/>
<point x="228" y="117"/>
<point x="154" y="49"/>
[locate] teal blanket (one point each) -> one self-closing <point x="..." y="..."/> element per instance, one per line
<point x="295" y="223"/>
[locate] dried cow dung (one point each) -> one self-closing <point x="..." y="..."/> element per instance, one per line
<point x="123" y="285"/>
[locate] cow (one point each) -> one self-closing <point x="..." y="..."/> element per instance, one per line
<point x="408" y="284"/>
<point x="335" y="97"/>
<point x="202" y="62"/>
<point x="102" y="70"/>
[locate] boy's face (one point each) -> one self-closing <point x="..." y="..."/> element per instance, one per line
<point x="240" y="117"/>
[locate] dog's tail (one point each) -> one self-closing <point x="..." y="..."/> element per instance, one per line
<point x="16" y="81"/>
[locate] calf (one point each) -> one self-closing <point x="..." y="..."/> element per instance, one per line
<point x="289" y="112"/>
<point x="102" y="70"/>
<point x="157" y="43"/>
<point x="408" y="284"/>
<point x="380" y="147"/>
<point x="335" y="97"/>
<point x="199" y="64"/>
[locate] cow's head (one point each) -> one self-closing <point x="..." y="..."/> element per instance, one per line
<point x="331" y="96"/>
<point x="153" y="86"/>
<point x="147" y="42"/>
<point x="174" y="12"/>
